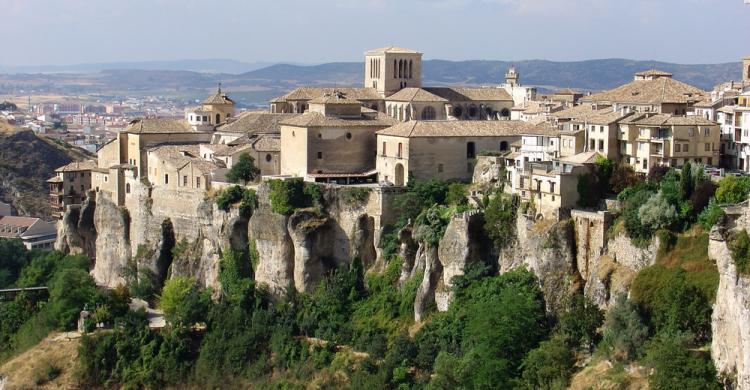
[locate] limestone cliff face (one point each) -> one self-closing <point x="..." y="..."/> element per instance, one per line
<point x="463" y="244"/>
<point x="77" y="231"/>
<point x="730" y="326"/>
<point x="545" y="248"/>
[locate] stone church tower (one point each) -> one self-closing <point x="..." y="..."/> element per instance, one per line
<point x="746" y="69"/>
<point x="389" y="69"/>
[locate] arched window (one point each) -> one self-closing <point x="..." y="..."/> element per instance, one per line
<point x="503" y="146"/>
<point x="390" y="111"/>
<point x="428" y="113"/>
<point x="410" y="76"/>
<point x="127" y="188"/>
<point x="470" y="150"/>
<point x="383" y="148"/>
<point x="400" y="149"/>
<point x="218" y="118"/>
<point x="457" y="112"/>
<point x="505" y="112"/>
<point x="395" y="69"/>
<point x="269" y="157"/>
<point x="472" y="111"/>
<point x="400" y="69"/>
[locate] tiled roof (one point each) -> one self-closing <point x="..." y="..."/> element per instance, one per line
<point x="309" y="93"/>
<point x="413" y="129"/>
<point x="669" y="120"/>
<point x="335" y="97"/>
<point x="582" y="158"/>
<point x="566" y="91"/>
<point x="267" y="144"/>
<point x="77" y="166"/>
<point x="255" y="122"/>
<point x="415" y="95"/>
<point x="580" y="111"/>
<point x="182" y="155"/>
<point x="464" y="94"/>
<point x="655" y="91"/>
<point x="392" y="49"/>
<point x="158" y="125"/>
<point x="654" y="72"/>
<point x="315" y="119"/>
<point x="218" y="98"/>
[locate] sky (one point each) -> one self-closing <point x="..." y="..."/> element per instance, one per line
<point x="60" y="32"/>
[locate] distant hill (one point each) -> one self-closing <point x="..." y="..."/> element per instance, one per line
<point x="26" y="162"/>
<point x="589" y="75"/>
<point x="205" y="66"/>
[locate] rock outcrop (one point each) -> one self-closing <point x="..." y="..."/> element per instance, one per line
<point x="730" y="321"/>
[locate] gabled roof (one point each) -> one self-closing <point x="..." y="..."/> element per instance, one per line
<point x="464" y="94"/>
<point x="335" y="97"/>
<point x="655" y="91"/>
<point x="582" y="158"/>
<point x="418" y="129"/>
<point x="413" y="94"/>
<point x="316" y="119"/>
<point x="255" y="122"/>
<point x="672" y="120"/>
<point x="391" y="49"/>
<point x="180" y="156"/>
<point x="158" y="125"/>
<point x="267" y="144"/>
<point x="309" y="93"/>
<point x="77" y="166"/>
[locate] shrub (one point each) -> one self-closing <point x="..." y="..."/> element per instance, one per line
<point x="244" y="170"/>
<point x="287" y="195"/>
<point x="710" y="214"/>
<point x="430" y="225"/>
<point x="549" y="366"/>
<point x="356" y="195"/>
<point x="183" y="302"/>
<point x="733" y="189"/>
<point x="47" y="372"/>
<point x="657" y="213"/>
<point x="623" y="177"/>
<point x="631" y="214"/>
<point x="656" y="173"/>
<point x="624" y="331"/>
<point x="739" y="246"/>
<point x="500" y="219"/>
<point x="676" y="366"/>
<point x="235" y="275"/>
<point x="70" y="290"/>
<point x="579" y="322"/>
<point x="457" y="193"/>
<point x="246" y="197"/>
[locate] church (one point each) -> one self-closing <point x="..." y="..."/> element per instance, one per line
<point x="393" y="85"/>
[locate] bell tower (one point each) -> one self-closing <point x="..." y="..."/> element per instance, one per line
<point x="746" y="69"/>
<point x="511" y="77"/>
<point x="390" y="69"/>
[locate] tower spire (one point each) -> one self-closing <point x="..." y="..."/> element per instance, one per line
<point x="219" y="87"/>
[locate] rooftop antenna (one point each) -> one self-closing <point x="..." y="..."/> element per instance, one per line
<point x="219" y="87"/>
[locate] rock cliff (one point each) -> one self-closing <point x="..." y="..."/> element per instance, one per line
<point x="730" y="325"/>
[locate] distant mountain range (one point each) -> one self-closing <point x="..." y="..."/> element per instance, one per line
<point x="254" y="83"/>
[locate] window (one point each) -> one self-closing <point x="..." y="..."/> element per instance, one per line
<point x="709" y="161"/>
<point x="470" y="150"/>
<point x="677" y="147"/>
<point x="184" y="181"/>
<point x="707" y="147"/>
<point x="428" y="113"/>
<point x="205" y="118"/>
<point x="691" y="132"/>
<point x="440" y="168"/>
<point x="601" y="144"/>
<point x="400" y="149"/>
<point x="320" y="155"/>
<point x="552" y="187"/>
<point x="383" y="148"/>
<point x="348" y="135"/>
<point x="166" y="178"/>
<point x="706" y="132"/>
<point x="198" y="181"/>
<point x="601" y="129"/>
<point x="593" y="144"/>
<point x="127" y="188"/>
<point x="269" y="157"/>
<point x="685" y="147"/>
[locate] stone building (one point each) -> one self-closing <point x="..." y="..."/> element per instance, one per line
<point x="176" y="167"/>
<point x="70" y="185"/>
<point x="456" y="103"/>
<point x="445" y="150"/>
<point x="214" y="111"/>
<point x="33" y="232"/>
<point x="390" y="69"/>
<point x="334" y="141"/>
<point x="669" y="140"/>
<point x="650" y="91"/>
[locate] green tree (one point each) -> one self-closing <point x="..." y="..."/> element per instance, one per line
<point x="244" y="170"/>
<point x="69" y="292"/>
<point x="548" y="367"/>
<point x="686" y="181"/>
<point x="579" y="322"/>
<point x="184" y="303"/>
<point x="624" y="331"/>
<point x="733" y="189"/>
<point x="500" y="219"/>
<point x="457" y="193"/>
<point x="676" y="366"/>
<point x="13" y="257"/>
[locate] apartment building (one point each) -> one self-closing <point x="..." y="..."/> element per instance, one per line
<point x="70" y="185"/>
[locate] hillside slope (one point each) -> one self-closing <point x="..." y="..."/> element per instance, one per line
<point x="26" y="162"/>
